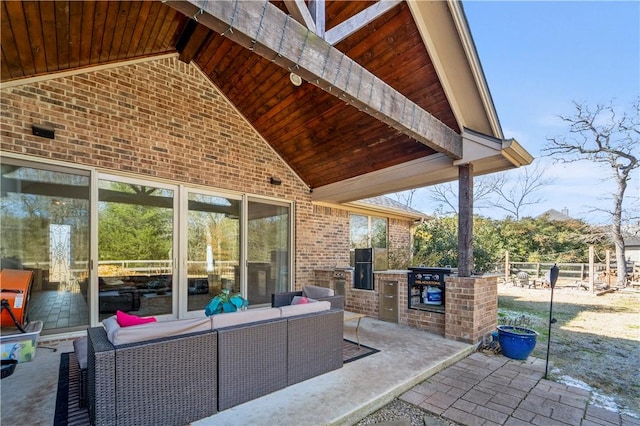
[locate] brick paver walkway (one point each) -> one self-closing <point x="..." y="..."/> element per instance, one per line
<point x="495" y="390"/>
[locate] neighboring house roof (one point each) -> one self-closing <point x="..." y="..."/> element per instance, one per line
<point x="553" y="214"/>
<point x="632" y="241"/>
<point x="393" y="96"/>
<point x="389" y="205"/>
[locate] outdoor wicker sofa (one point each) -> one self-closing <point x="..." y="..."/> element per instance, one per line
<point x="222" y="361"/>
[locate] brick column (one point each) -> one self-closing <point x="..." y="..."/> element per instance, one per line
<point x="471" y="307"/>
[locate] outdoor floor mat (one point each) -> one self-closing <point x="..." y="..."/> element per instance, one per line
<point x="351" y="352"/>
<point x="68" y="410"/>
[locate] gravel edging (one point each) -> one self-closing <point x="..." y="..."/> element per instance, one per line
<point x="400" y="413"/>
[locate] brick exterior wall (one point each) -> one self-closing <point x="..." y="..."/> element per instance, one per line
<point x="162" y="119"/>
<point x="158" y="119"/>
<point x="400" y="243"/>
<point x="471" y="307"/>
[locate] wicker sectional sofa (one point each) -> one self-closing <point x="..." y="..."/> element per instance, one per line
<point x="184" y="370"/>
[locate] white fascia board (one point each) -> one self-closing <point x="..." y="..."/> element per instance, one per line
<point x="476" y="146"/>
<point x="490" y="154"/>
<point x="469" y="46"/>
<point x="447" y="38"/>
<point x="436" y="168"/>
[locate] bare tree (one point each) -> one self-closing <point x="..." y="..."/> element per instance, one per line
<point x="446" y="194"/>
<point x="515" y="194"/>
<point x="602" y="136"/>
<point x="406" y="197"/>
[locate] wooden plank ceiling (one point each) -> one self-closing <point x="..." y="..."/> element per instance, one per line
<point x="323" y="139"/>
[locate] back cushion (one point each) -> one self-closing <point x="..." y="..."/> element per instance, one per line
<point x="306" y="308"/>
<point x="316" y="292"/>
<point x="156" y="330"/>
<point x="243" y="317"/>
<point x="110" y="325"/>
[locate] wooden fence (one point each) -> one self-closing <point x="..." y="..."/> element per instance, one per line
<point x="585" y="274"/>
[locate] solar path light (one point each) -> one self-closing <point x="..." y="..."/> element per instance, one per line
<point x="553" y="277"/>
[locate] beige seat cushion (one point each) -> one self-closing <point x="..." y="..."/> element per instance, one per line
<point x="305" y="308"/>
<point x="243" y="317"/>
<point x="155" y="330"/>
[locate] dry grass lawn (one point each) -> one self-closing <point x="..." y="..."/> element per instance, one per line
<point x="596" y="339"/>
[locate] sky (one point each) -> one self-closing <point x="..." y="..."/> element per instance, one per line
<point x="539" y="57"/>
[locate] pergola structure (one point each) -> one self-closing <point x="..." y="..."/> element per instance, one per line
<point x="359" y="98"/>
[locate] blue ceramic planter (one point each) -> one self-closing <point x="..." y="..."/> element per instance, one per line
<point x="516" y="342"/>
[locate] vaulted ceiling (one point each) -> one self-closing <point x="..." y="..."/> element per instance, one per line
<point x="331" y="139"/>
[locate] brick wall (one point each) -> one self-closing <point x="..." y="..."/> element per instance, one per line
<point x="162" y="119"/>
<point x="471" y="307"/>
<point x="400" y="243"/>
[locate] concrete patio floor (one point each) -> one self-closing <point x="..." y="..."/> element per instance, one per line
<point x="407" y="357"/>
<point x="439" y="376"/>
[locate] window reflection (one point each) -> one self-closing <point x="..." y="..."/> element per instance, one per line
<point x="213" y="248"/>
<point x="268" y="251"/>
<point x="44" y="227"/>
<point x="135" y="237"/>
<point x="370" y="232"/>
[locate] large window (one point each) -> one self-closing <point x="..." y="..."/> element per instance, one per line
<point x="370" y="231"/>
<point x="269" y="245"/>
<point x="135" y="246"/>
<point x="98" y="243"/>
<point x="213" y="247"/>
<point x="44" y="228"/>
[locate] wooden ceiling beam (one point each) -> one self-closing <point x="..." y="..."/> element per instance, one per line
<point x="317" y="9"/>
<point x="353" y="24"/>
<point x="269" y="32"/>
<point x="192" y="39"/>
<point x="299" y="11"/>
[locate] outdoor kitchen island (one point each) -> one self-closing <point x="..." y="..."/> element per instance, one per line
<point x="469" y="309"/>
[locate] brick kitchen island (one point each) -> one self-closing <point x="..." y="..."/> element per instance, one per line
<point x="469" y="311"/>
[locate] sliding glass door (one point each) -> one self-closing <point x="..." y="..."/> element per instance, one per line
<point x="213" y="247"/>
<point x="44" y="228"/>
<point x="153" y="248"/>
<point x="268" y="249"/>
<point x="135" y="247"/>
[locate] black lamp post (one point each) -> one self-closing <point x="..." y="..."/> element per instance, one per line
<point x="553" y="277"/>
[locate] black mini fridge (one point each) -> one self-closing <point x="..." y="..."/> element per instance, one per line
<point x="363" y="278"/>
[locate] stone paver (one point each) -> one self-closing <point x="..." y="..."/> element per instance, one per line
<point x="630" y="421"/>
<point x="441" y="400"/>
<point x="462" y="417"/>
<point x="494" y="390"/>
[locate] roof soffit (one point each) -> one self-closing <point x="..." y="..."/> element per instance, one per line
<point x="343" y="150"/>
<point x="268" y="32"/>
<point x="446" y="34"/>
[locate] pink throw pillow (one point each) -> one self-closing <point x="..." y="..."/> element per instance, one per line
<point x="298" y="300"/>
<point x="127" y="320"/>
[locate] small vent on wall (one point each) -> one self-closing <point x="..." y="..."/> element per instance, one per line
<point x="43" y="131"/>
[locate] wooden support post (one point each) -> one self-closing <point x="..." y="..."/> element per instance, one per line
<point x="592" y="269"/>
<point x="465" y="220"/>
<point x="608" y="268"/>
<point x="507" y="266"/>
